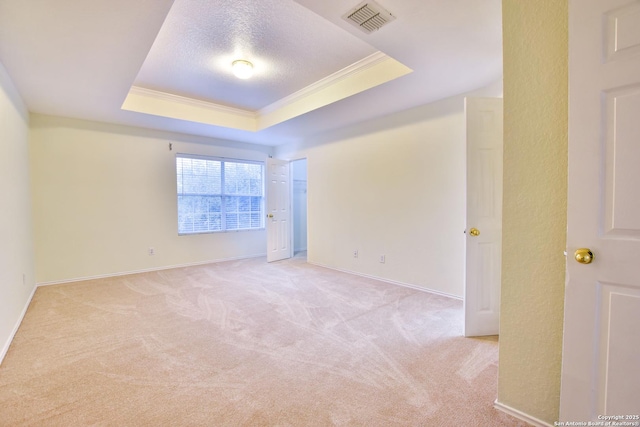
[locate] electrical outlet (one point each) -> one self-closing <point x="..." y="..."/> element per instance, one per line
<point x="382" y="259"/>
<point x="152" y="251"/>
<point x="24" y="279"/>
<point x="355" y="253"/>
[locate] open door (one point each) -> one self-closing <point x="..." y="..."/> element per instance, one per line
<point x="484" y="216"/>
<point x="278" y="210"/>
<point x="601" y="350"/>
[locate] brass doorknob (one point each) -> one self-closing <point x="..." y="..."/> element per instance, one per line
<point x="584" y="255"/>
<point x="474" y="232"/>
<point x="270" y="216"/>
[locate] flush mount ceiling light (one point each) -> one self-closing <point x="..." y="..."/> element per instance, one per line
<point x="242" y="69"/>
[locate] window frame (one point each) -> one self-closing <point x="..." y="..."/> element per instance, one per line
<point x="223" y="195"/>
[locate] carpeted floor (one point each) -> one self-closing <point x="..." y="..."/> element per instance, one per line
<point x="246" y="343"/>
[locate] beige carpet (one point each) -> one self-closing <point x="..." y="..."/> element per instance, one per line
<point x="246" y="343"/>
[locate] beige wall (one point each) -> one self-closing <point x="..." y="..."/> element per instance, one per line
<point x="16" y="252"/>
<point x="104" y="194"/>
<point x="395" y="187"/>
<point x="534" y="213"/>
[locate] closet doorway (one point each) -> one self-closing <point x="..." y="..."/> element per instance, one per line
<point x="299" y="207"/>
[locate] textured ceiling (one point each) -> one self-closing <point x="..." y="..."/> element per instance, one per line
<point x="81" y="59"/>
<point x="290" y="47"/>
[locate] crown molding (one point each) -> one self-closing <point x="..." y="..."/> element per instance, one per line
<point x="183" y="100"/>
<point x="357" y="67"/>
<point x="165" y="104"/>
<point x="360" y="76"/>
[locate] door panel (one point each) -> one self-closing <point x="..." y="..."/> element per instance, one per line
<point x="600" y="374"/>
<point x="622" y="212"/>
<point x="484" y="213"/>
<point x="620" y="308"/>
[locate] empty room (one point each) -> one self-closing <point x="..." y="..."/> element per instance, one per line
<point x="289" y="212"/>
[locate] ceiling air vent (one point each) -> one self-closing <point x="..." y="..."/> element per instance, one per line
<point x="368" y="16"/>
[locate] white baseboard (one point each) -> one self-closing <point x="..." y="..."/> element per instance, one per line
<point x="5" y="347"/>
<point x="520" y="415"/>
<point x="392" y="282"/>
<point x="147" y="270"/>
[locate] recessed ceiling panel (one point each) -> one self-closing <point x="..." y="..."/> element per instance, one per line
<point x="290" y="47"/>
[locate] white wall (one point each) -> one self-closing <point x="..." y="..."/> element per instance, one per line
<point x="104" y="194"/>
<point x="16" y="252"/>
<point x="394" y="186"/>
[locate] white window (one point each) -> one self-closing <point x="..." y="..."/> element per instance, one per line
<point x="217" y="194"/>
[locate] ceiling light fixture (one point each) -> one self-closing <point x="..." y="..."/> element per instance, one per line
<point x="242" y="69"/>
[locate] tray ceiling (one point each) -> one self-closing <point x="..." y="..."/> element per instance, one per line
<point x="165" y="64"/>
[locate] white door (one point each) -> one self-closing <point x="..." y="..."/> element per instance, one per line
<point x="278" y="210"/>
<point x="484" y="216"/>
<point x="601" y="350"/>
